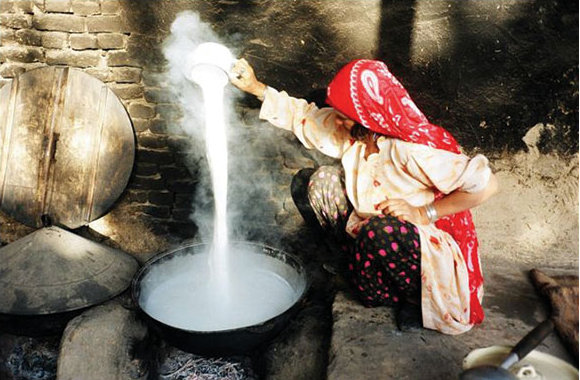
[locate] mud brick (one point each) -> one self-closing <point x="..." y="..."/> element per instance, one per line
<point x="73" y="58"/>
<point x="83" y="41"/>
<point x="127" y="91"/>
<point x="155" y="156"/>
<point x="110" y="7"/>
<point x="97" y="24"/>
<point x="182" y="214"/>
<point x="100" y="73"/>
<point x="59" y="22"/>
<point x="22" y="54"/>
<point x="28" y="37"/>
<point x="24" y="6"/>
<point x="161" y="198"/>
<point x="136" y="196"/>
<point x="147" y="183"/>
<point x="55" y="40"/>
<point x="126" y="74"/>
<point x="86" y="8"/>
<point x="184" y="200"/>
<point x="141" y="110"/>
<point x="146" y="169"/>
<point x="16" y="21"/>
<point x="111" y="40"/>
<point x="121" y="58"/>
<point x="156" y="211"/>
<point x="141" y="125"/>
<point x="7" y="35"/>
<point x="10" y="70"/>
<point x="6" y="6"/>
<point x="58" y="6"/>
<point x="152" y="141"/>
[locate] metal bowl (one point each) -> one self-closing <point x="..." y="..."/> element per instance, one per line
<point x="227" y="341"/>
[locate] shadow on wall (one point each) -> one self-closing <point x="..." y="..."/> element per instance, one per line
<point x="488" y="71"/>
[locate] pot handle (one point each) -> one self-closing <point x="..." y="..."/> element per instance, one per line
<point x="528" y="343"/>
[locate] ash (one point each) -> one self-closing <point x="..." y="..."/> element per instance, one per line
<point x="174" y="364"/>
<point x="29" y="358"/>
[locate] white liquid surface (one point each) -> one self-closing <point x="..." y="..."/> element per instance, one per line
<point x="179" y="292"/>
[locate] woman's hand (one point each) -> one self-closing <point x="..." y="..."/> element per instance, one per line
<point x="401" y="209"/>
<point x="242" y="76"/>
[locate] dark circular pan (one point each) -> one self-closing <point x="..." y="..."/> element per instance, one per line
<point x="223" y="342"/>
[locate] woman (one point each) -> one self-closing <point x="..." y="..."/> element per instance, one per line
<point x="402" y="197"/>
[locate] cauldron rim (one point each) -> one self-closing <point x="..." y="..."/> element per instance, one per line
<point x="136" y="290"/>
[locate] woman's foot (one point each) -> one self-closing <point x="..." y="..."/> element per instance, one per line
<point x="409" y="317"/>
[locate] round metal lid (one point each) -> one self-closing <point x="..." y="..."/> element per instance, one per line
<point x="53" y="270"/>
<point x="66" y="147"/>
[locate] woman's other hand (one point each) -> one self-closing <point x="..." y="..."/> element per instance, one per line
<point x="401" y="209"/>
<point x="243" y="77"/>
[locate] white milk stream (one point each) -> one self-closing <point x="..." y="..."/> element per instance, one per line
<point x="205" y="292"/>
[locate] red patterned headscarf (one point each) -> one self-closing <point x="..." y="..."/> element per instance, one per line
<point x="366" y="91"/>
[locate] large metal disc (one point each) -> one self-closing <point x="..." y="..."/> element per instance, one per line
<point x="66" y="147"/>
<point x="52" y="271"/>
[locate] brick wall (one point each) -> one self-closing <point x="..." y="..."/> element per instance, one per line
<point x="94" y="36"/>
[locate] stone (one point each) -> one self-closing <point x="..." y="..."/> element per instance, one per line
<point x="99" y="24"/>
<point x="126" y="74"/>
<point x="58" y="6"/>
<point x="23" y="54"/>
<point x="73" y="58"/>
<point x="108" y="41"/>
<point x="59" y="22"/>
<point x="16" y="21"/>
<point x="105" y="342"/>
<point x="121" y="58"/>
<point x="141" y="110"/>
<point x="127" y="91"/>
<point x="110" y="7"/>
<point x="55" y="40"/>
<point x="83" y="41"/>
<point x="28" y="37"/>
<point x="86" y="8"/>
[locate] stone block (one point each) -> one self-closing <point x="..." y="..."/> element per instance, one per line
<point x="163" y="212"/>
<point x="161" y="198"/>
<point x="141" y="125"/>
<point x="100" y="24"/>
<point x="58" y="6"/>
<point x="6" y="6"/>
<point x="179" y="143"/>
<point x="73" y="58"/>
<point x="86" y="8"/>
<point x="16" y="21"/>
<point x="108" y="41"/>
<point x="121" y="58"/>
<point x="59" y="22"/>
<point x="159" y="95"/>
<point x="158" y="126"/>
<point x="101" y="73"/>
<point x="182" y="214"/>
<point x="55" y="40"/>
<point x="136" y="196"/>
<point x="83" y="41"/>
<point x="184" y="200"/>
<point x="155" y="156"/>
<point x="174" y="173"/>
<point x="127" y="91"/>
<point x="110" y="7"/>
<point x="22" y="54"/>
<point x="7" y="36"/>
<point x="10" y="70"/>
<point x="39" y="4"/>
<point x="152" y="141"/>
<point x="141" y="110"/>
<point x="146" y="168"/>
<point x="28" y="37"/>
<point x="147" y="183"/>
<point x="169" y="111"/>
<point x="126" y="74"/>
<point x="23" y="6"/>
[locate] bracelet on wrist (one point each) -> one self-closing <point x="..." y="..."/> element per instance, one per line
<point x="431" y="212"/>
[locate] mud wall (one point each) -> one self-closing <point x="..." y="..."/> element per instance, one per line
<point x="489" y="71"/>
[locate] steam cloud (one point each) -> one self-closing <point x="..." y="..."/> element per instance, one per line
<point x="251" y="181"/>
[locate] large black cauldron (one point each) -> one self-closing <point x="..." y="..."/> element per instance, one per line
<point x="225" y="341"/>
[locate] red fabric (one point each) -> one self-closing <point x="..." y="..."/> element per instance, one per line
<point x="365" y="91"/>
